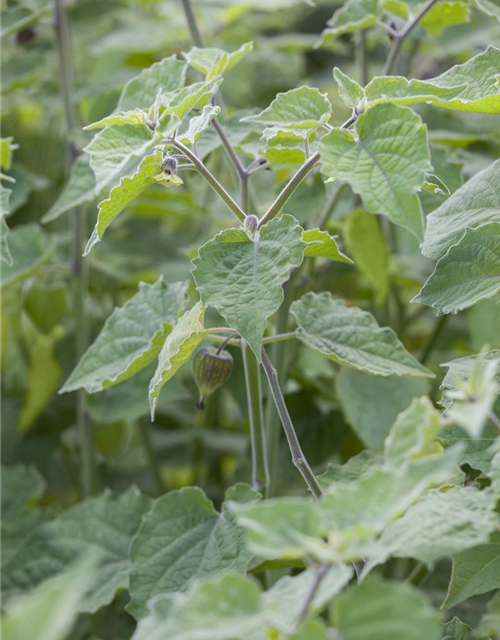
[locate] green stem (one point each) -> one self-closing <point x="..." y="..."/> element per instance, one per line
<point x="319" y="576"/>
<point x="236" y="342"/>
<point x="260" y="471"/>
<point x="84" y="426"/>
<point x="433" y="338"/>
<point x="289" y="188"/>
<point x="361" y="59"/>
<point x="154" y="465"/>
<point x="494" y="420"/>
<point x="194" y="32"/>
<point x="401" y="37"/>
<point x="298" y="457"/>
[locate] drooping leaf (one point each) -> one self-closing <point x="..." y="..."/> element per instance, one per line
<point x="104" y="525"/>
<point x="184" y="538"/>
<point x="384" y="159"/>
<point x="366" y="244"/>
<point x="186" y="335"/>
<point x="321" y="244"/>
<point x="475" y="570"/>
<point x="119" y="197"/>
<point x="468" y="272"/>
<point x="352" y="16"/>
<point x="299" y="110"/>
<point x="243" y="277"/>
<point x="471" y="206"/>
<point x="396" y="610"/>
<point x="78" y="190"/>
<point x="113" y="148"/>
<point x="215" y="62"/>
<point x="131" y="337"/>
<point x="30" y="247"/>
<point x="352" y="337"/>
<point x="168" y="75"/>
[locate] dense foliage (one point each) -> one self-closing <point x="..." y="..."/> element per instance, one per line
<point x="263" y="404"/>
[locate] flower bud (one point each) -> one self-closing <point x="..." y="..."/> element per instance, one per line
<point x="251" y="226"/>
<point x="169" y="165"/>
<point x="211" y="369"/>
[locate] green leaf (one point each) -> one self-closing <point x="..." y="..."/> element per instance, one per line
<point x="477" y="452"/>
<point x="6" y="149"/>
<point x="198" y="124"/>
<point x="113" y="148"/>
<point x="121" y="118"/>
<point x="399" y="90"/>
<point x="242" y="278"/>
<point x="186" y="335"/>
<point x="385" y="160"/>
<point x="5" y="255"/>
<point x="353" y="469"/>
<point x="457" y="630"/>
<point x="168" y="75"/>
<point x="215" y="62"/>
<point x="299" y="110"/>
<point x="48" y="612"/>
<point x="30" y="247"/>
<point x="352" y="16"/>
<point x="132" y="336"/>
<point x="321" y="244"/>
<point x="445" y="14"/>
<point x="119" y="197"/>
<point x="471" y="206"/>
<point x="475" y="570"/>
<point x="439" y="524"/>
<point x="490" y="7"/>
<point x="349" y="90"/>
<point x="311" y="630"/>
<point x="378" y="609"/>
<point x="104" y="524"/>
<point x="283" y="147"/>
<point x="367" y="245"/>
<point x="78" y="190"/>
<point x="21" y="486"/>
<point x="352" y="337"/>
<point x="371" y="403"/>
<point x="178" y="104"/>
<point x="490" y="622"/>
<point x="184" y="538"/>
<point x="468" y="272"/>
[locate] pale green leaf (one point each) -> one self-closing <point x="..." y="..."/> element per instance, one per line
<point x="349" y="90"/>
<point x="353" y="469"/>
<point x="311" y="630"/>
<point x="434" y="185"/>
<point x="178" y="104"/>
<point x="320" y="244"/>
<point x="352" y="16"/>
<point x="299" y="110"/>
<point x="490" y="7"/>
<point x="121" y="118"/>
<point x="168" y="75"/>
<point x="468" y="272"/>
<point x="352" y="337"/>
<point x="132" y="336"/>
<point x="445" y="14"/>
<point x="123" y="193"/>
<point x="378" y="609"/>
<point x="366" y="244"/>
<point x="477" y="452"/>
<point x="6" y="149"/>
<point x="475" y="570"/>
<point x="5" y="255"/>
<point x="439" y="524"/>
<point x="457" y="630"/>
<point x="183" y="538"/>
<point x="490" y="622"/>
<point x="113" y="148"/>
<point x="215" y="62"/>
<point x="198" y="124"/>
<point x="372" y="403"/>
<point x="186" y="335"/>
<point x="78" y="190"/>
<point x="30" y="247"/>
<point x="400" y="90"/>
<point x="242" y="278"/>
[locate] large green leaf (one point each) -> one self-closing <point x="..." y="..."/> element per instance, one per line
<point x="352" y="337"/>
<point x="184" y="538"/>
<point x="468" y="272"/>
<point x="352" y="16"/>
<point x="113" y="148"/>
<point x="187" y="334"/>
<point x="131" y="337"/>
<point x="128" y="189"/>
<point x="473" y="205"/>
<point x="104" y="524"/>
<point x="384" y="159"/>
<point x="78" y="190"/>
<point x="168" y="75"/>
<point x="475" y="570"/>
<point x="439" y="524"/>
<point x="242" y="277"/>
<point x="30" y="246"/>
<point x="378" y="609"/>
<point x="215" y="62"/>
<point x="298" y="110"/>
<point x="399" y="90"/>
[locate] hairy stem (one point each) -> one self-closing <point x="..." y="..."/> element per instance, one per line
<point x="298" y="457"/>
<point x="260" y="471"/>
<point x="320" y="573"/>
<point x="289" y="188"/>
<point x="84" y="426"/>
<point x="401" y="37"/>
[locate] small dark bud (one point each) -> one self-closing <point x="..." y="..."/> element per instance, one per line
<point x="25" y="35"/>
<point x="211" y="369"/>
<point x="169" y="166"/>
